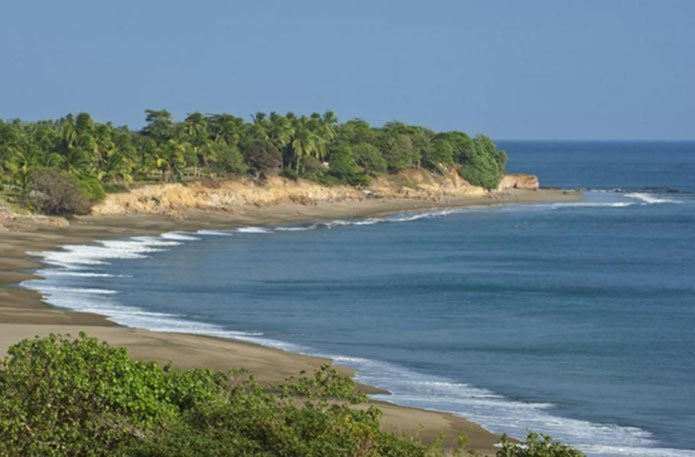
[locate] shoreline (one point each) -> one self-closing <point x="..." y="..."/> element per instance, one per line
<point x="23" y="313"/>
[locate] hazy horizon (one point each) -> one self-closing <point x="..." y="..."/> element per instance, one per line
<point x="538" y="70"/>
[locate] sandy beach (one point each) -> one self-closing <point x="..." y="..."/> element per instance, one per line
<point x="23" y="314"/>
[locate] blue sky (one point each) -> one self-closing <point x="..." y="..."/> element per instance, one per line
<point x="556" y="69"/>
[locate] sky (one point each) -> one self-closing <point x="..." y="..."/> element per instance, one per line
<point x="533" y="69"/>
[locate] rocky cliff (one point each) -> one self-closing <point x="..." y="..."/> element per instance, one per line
<point x="230" y="195"/>
<point x="176" y="199"/>
<point x="519" y="181"/>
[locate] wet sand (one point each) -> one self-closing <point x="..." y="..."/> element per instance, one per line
<point x="23" y="314"/>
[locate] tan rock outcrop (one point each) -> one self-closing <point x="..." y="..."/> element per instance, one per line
<point x="519" y="181"/>
<point x="231" y="195"/>
<point x="175" y="199"/>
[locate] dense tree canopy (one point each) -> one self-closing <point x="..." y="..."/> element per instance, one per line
<point x="219" y="145"/>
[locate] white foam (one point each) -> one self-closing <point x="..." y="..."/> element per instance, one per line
<point x="78" y="256"/>
<point x="254" y="230"/>
<point x="612" y="199"/>
<point x="78" y="274"/>
<point x="213" y="233"/>
<point x="292" y="229"/>
<point x="74" y="290"/>
<point x="179" y="236"/>
<point x="87" y="300"/>
<point x="635" y="451"/>
<point x="650" y="199"/>
<point x="408" y="217"/>
<point x="592" y="204"/>
<point x="503" y="415"/>
<point x="395" y="218"/>
<point x="609" y="199"/>
<point x="157" y="240"/>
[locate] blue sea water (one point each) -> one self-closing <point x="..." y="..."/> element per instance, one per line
<point x="574" y="319"/>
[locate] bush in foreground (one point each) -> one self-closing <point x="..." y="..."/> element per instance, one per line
<point x="80" y="397"/>
<point x="536" y="445"/>
<point x="58" y="193"/>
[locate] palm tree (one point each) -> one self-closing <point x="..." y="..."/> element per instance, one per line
<point x="160" y="125"/>
<point x="73" y="147"/>
<point x="197" y="136"/>
<point x="226" y="129"/>
<point x="68" y="132"/>
<point x="307" y="140"/>
<point x="171" y="158"/>
<point x="330" y="120"/>
<point x="279" y="130"/>
<point x="115" y="154"/>
<point x="258" y="129"/>
<point x="21" y="162"/>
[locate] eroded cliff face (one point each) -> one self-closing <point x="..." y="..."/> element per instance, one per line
<point x="422" y="184"/>
<point x="519" y="181"/>
<point x="176" y="199"/>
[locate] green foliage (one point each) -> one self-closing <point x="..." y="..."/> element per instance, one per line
<point x="536" y="446"/>
<point x="344" y="167"/>
<point x="289" y="173"/>
<point x="320" y="177"/>
<point x="63" y="397"/>
<point x="398" y="147"/>
<point x="56" y="192"/>
<point x="483" y="164"/>
<point x="369" y="157"/>
<point x="91" y="188"/>
<point x="440" y="154"/>
<point x="160" y="125"/>
<point x="358" y="131"/>
<point x="115" y="188"/>
<point x="229" y="159"/>
<point x="220" y="145"/>
<point x="80" y="397"/>
<point x="262" y="156"/>
<point x="60" y="396"/>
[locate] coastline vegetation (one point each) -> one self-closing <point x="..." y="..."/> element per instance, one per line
<point x="80" y="397"/>
<point x="88" y="158"/>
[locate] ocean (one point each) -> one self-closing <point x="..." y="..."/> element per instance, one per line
<point x="573" y="319"/>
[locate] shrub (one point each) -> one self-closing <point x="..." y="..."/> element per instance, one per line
<point x="57" y="193"/>
<point x="536" y="446"/>
<point x="400" y="152"/>
<point x="80" y="397"/>
<point x="344" y="167"/>
<point x="262" y="157"/>
<point x="91" y="188"/>
<point x="323" y="178"/>
<point x="313" y="165"/>
<point x="440" y="154"/>
<point x="116" y="188"/>
<point x="60" y="396"/>
<point x="370" y="158"/>
<point x="229" y="159"/>
<point x="289" y="173"/>
<point x="482" y="164"/>
<point x="63" y="397"/>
